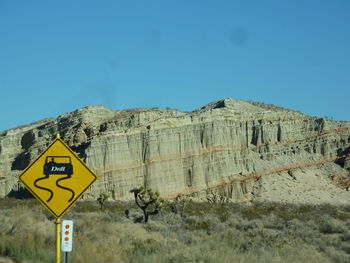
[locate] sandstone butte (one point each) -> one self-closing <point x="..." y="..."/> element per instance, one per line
<point x="231" y="149"/>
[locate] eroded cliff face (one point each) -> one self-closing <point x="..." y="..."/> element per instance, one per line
<point x="237" y="149"/>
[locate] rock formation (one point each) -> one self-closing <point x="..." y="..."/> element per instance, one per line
<point x="234" y="149"/>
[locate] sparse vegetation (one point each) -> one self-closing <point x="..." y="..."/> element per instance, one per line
<point x="179" y="205"/>
<point x="102" y="198"/>
<point x="207" y="232"/>
<point x="215" y="198"/>
<point x="148" y="201"/>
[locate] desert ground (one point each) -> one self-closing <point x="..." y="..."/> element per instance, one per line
<point x="197" y="232"/>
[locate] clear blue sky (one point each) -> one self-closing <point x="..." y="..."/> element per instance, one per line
<point x="58" y="56"/>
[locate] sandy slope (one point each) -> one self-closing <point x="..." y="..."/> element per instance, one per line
<point x="307" y="185"/>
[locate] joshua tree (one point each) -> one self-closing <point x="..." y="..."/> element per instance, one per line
<point x="179" y="205"/>
<point x="102" y="198"/>
<point x="217" y="198"/>
<point x="148" y="201"/>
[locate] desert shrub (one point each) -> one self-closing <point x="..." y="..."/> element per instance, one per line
<point x="222" y="212"/>
<point x="197" y="208"/>
<point x="178" y="205"/>
<point x="84" y="207"/>
<point x="25" y="231"/>
<point x="196" y="223"/>
<point x="206" y="233"/>
<point x="336" y="255"/>
<point x="256" y="211"/>
<point x="345" y="246"/>
<point x="331" y="225"/>
<point x="345" y="236"/>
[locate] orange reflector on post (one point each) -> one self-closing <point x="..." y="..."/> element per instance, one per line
<point x="67" y="236"/>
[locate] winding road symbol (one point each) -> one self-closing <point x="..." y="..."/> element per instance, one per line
<point x="57" y="177"/>
<point x="52" y="167"/>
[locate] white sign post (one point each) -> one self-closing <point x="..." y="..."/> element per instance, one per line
<point x="66" y="238"/>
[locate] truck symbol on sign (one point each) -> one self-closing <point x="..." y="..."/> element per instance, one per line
<point x="52" y="167"/>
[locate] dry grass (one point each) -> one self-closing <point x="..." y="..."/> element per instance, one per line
<point x="206" y="233"/>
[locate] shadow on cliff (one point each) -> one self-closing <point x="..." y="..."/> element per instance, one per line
<point x="21" y="193"/>
<point x="342" y="155"/>
<point x="81" y="149"/>
<point x="343" y="152"/>
<point x="21" y="161"/>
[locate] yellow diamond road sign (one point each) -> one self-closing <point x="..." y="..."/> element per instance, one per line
<point x="57" y="178"/>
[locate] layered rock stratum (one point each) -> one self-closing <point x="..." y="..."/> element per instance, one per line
<point x="227" y="150"/>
